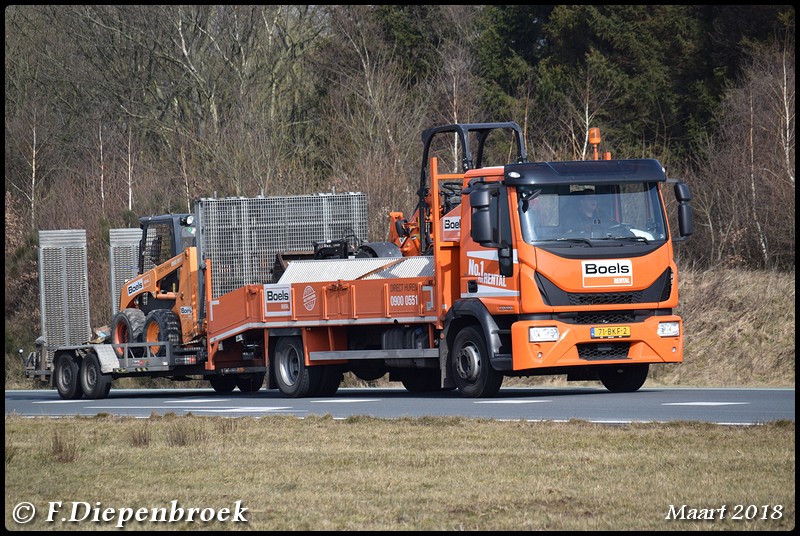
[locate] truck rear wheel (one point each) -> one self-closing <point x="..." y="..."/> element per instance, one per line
<point x="67" y="378"/>
<point x="126" y="327"/>
<point x="161" y="325"/>
<point x="222" y="384"/>
<point x="293" y="377"/>
<point x="624" y="378"/>
<point x="330" y="380"/>
<point x="470" y="367"/>
<point x="94" y="382"/>
<point x="250" y="383"/>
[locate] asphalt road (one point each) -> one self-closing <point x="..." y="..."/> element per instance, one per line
<point x="741" y="406"/>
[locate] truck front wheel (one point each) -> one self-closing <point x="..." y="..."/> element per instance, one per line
<point x="624" y="378"/>
<point x="94" y="383"/>
<point x="293" y="377"/>
<point x="470" y="367"/>
<point x="67" y="378"/>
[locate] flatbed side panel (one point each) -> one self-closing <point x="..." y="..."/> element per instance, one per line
<point x="360" y="301"/>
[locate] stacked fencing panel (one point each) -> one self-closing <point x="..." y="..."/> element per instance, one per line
<point x="241" y="236"/>
<point x="123" y="260"/>
<point x="63" y="288"/>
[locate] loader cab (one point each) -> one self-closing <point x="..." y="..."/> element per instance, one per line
<point x="164" y="237"/>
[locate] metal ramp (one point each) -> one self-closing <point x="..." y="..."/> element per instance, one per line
<point x="317" y="271"/>
<point x="63" y="289"/>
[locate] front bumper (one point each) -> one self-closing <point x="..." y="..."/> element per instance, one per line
<point x="576" y="347"/>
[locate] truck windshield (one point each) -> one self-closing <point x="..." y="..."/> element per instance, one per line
<point x="591" y="213"/>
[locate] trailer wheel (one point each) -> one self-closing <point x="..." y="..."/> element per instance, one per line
<point x="250" y="383"/>
<point x="126" y="327"/>
<point x="161" y="325"/>
<point x="294" y="379"/>
<point x="94" y="382"/>
<point x="67" y="378"/>
<point x="469" y="362"/>
<point x="222" y="384"/>
<point x="624" y="378"/>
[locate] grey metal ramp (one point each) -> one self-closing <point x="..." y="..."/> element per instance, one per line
<point x="316" y="271"/>
<point x="123" y="258"/>
<point x="408" y="267"/>
<point x="63" y="288"/>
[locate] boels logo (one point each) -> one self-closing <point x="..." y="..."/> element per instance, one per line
<point x="616" y="273"/>
<point x="135" y="287"/>
<point x="277" y="296"/>
<point x="277" y="300"/>
<point x="452" y="223"/>
<point x="451" y="228"/>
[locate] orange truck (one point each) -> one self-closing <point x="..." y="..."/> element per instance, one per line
<point x="512" y="269"/>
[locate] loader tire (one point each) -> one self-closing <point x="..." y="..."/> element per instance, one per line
<point x="293" y="377"/>
<point x="94" y="382"/>
<point x="161" y="325"/>
<point x="127" y="327"/>
<point x="66" y="377"/>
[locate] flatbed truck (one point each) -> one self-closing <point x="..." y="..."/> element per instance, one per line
<point x="489" y="278"/>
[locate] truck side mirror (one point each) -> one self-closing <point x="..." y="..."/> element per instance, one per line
<point x="685" y="222"/>
<point x="481" y="224"/>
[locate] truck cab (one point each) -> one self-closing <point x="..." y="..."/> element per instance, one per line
<point x="550" y="267"/>
<point x="564" y="268"/>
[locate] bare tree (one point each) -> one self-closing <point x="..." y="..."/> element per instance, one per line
<point x="750" y="175"/>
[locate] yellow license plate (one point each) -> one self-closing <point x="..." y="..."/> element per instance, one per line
<point x="610" y="332"/>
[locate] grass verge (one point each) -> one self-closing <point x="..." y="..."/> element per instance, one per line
<point x="362" y="473"/>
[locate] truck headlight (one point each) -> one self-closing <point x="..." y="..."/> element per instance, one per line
<point x="549" y="334"/>
<point x="669" y="329"/>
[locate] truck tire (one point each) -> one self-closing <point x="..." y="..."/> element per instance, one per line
<point x="161" y="325"/>
<point x="624" y="378"/>
<point x="470" y="367"/>
<point x="250" y="383"/>
<point x="331" y="379"/>
<point x="94" y="382"/>
<point x="222" y="384"/>
<point x="294" y="379"/>
<point x="126" y="327"/>
<point x="67" y="377"/>
<point x="422" y="380"/>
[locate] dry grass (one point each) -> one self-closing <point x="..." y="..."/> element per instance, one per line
<point x="408" y="474"/>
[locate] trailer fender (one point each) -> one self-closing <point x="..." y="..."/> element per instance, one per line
<point x="107" y="357"/>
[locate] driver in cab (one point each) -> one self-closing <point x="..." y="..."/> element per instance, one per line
<point x="585" y="217"/>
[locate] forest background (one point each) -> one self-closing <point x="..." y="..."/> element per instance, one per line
<point x="118" y="112"/>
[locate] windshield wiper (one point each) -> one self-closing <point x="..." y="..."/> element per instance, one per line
<point x="626" y="238"/>
<point x="576" y="240"/>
